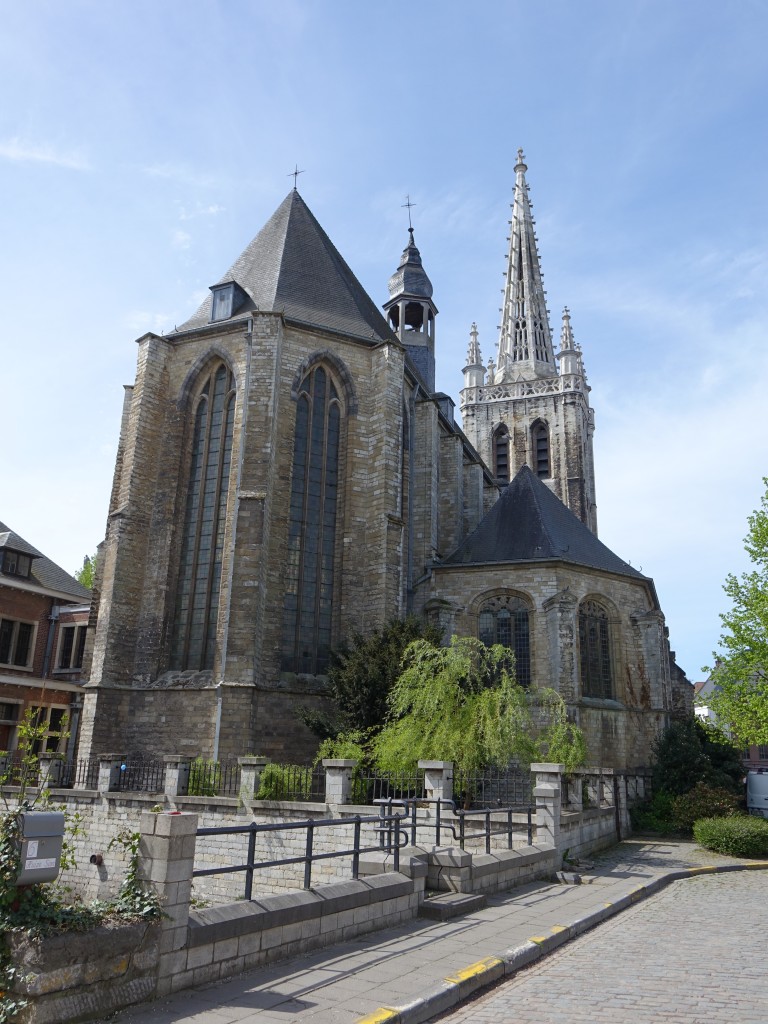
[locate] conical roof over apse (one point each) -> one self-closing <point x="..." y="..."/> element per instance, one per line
<point x="530" y="523"/>
<point x="294" y="268"/>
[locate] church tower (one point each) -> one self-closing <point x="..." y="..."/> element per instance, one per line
<point x="532" y="406"/>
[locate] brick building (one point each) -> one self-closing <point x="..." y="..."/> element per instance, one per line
<point x="43" y="624"/>
<point x="287" y="475"/>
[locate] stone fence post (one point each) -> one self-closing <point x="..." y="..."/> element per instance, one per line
<point x="166" y="861"/>
<point x="338" y="779"/>
<point x="109" y="771"/>
<point x="176" y="776"/>
<point x="250" y="776"/>
<point x="438" y="779"/>
<point x="51" y="764"/>
<point x="548" y="796"/>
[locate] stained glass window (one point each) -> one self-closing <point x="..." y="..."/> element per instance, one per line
<point x="595" y="651"/>
<point x="199" y="581"/>
<point x="505" y="621"/>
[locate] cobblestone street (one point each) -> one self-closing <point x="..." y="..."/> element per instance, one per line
<point x="693" y="954"/>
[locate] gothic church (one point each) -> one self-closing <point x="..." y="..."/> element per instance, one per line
<point x="287" y="475"/>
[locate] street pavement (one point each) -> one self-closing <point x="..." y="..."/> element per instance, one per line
<point x="414" y="972"/>
<point x="693" y="954"/>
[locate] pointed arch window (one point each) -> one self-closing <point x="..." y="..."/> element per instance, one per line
<point x="501" y="454"/>
<point x="309" y="573"/>
<point x="505" y="621"/>
<point x="202" y="546"/>
<point x="540" y="445"/>
<point x="595" y="651"/>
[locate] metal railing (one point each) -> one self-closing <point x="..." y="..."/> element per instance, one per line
<point x="214" y="778"/>
<point x="388" y="826"/>
<point x="138" y="774"/>
<point x="496" y="821"/>
<point x="491" y="787"/>
<point x="83" y="773"/>
<point x="370" y="787"/>
<point x="292" y="782"/>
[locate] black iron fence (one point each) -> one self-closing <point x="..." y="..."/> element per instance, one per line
<point x="139" y="775"/>
<point x="292" y="782"/>
<point x="462" y="826"/>
<point x="493" y="787"/>
<point x="371" y="786"/>
<point x="214" y="778"/>
<point x="83" y="773"/>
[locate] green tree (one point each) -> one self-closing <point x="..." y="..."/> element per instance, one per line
<point x="87" y="574"/>
<point x="461" y="703"/>
<point x="740" y="700"/>
<point x="360" y="676"/>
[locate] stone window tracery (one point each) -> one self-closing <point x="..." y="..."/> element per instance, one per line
<point x="505" y="620"/>
<point x="309" y="573"/>
<point x="202" y="546"/>
<point x="595" y="651"/>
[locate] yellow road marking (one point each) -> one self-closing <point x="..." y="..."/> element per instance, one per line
<point x="384" y="1013"/>
<point x="559" y="928"/>
<point x="481" y="967"/>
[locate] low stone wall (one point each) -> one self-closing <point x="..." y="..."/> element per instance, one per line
<point x="83" y="976"/>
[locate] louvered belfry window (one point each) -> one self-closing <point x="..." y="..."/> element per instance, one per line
<point x="505" y="621"/>
<point x="501" y="454"/>
<point x="596" y="661"/>
<point x="540" y="437"/>
<point x="309" y="573"/>
<point x="199" y="581"/>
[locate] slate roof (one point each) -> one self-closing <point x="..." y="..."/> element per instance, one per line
<point x="293" y="267"/>
<point x="44" y="572"/>
<point x="530" y="523"/>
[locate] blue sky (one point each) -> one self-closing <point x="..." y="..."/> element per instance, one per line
<point x="143" y="144"/>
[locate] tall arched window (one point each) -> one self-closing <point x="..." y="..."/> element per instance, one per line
<point x="595" y="655"/>
<point x="505" y="621"/>
<point x="308" y="601"/>
<point x="199" y="581"/>
<point x="540" y="445"/>
<point x="501" y="453"/>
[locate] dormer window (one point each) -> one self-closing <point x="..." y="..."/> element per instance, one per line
<point x="16" y="564"/>
<point x="227" y="299"/>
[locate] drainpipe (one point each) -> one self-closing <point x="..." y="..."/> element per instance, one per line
<point x="53" y="618"/>
<point x="217" y="725"/>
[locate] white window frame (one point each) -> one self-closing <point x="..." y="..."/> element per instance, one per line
<point x="14" y="640"/>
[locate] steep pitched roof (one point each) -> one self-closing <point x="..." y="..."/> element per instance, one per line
<point x="44" y="572"/>
<point x="293" y="267"/>
<point x="530" y="523"/>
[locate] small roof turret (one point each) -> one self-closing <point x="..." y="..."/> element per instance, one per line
<point x="410" y="279"/>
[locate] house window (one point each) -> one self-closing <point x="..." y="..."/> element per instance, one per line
<point x="202" y="547"/>
<point x="71" y="647"/>
<point x="16" y="643"/>
<point x="762" y="753"/>
<point x="595" y="651"/>
<point x="16" y="564"/>
<point x="9" y="720"/>
<point x="505" y="621"/>
<point x="52" y="723"/>
<point x="309" y="572"/>
<point x="540" y="439"/>
<point x="501" y="454"/>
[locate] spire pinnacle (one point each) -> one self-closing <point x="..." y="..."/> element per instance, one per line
<point x="473" y="352"/>
<point x="525" y="338"/>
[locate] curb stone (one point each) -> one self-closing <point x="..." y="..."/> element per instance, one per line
<point x="456" y="988"/>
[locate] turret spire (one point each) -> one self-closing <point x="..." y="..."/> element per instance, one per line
<point x="525" y="338"/>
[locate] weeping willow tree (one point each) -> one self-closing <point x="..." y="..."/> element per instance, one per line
<point x="461" y="703"/>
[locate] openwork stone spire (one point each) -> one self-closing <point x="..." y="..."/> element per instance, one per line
<point x="473" y="352"/>
<point x="525" y="339"/>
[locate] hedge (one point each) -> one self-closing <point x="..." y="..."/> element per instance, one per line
<point x="739" y="836"/>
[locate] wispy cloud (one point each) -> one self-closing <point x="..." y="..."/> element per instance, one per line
<point x="181" y="239"/>
<point x="20" y="151"/>
<point x="200" y="210"/>
<point x="179" y="173"/>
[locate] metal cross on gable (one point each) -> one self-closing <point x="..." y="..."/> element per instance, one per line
<point x="409" y="206"/>
<point x="294" y="174"/>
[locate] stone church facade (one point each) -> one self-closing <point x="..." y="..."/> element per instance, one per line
<point x="287" y="476"/>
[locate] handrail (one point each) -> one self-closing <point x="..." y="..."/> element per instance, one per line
<point x="487" y="832"/>
<point x="310" y="825"/>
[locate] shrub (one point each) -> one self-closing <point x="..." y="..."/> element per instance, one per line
<point x="739" y="836"/>
<point x="655" y="815"/>
<point x="204" y="778"/>
<point x="704" y="801"/>
<point x="284" y="782"/>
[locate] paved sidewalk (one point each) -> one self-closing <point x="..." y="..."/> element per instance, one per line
<point x="411" y="973"/>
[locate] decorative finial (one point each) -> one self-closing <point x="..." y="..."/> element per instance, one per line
<point x="520" y="165"/>
<point x="294" y="174"/>
<point x="409" y="206"/>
